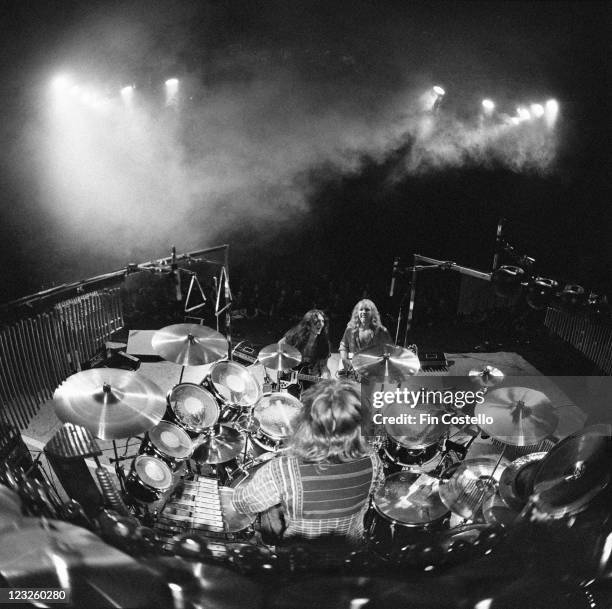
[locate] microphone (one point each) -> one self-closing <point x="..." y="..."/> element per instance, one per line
<point x="177" y="276"/>
<point x="498" y="242"/>
<point x="393" y="274"/>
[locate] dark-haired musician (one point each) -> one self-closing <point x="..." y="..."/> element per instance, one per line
<point x="311" y="338"/>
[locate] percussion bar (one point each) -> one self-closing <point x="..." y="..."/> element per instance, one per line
<point x="54" y="355"/>
<point x="27" y="401"/>
<point x="33" y="351"/>
<point x="56" y="337"/>
<point x="6" y="391"/>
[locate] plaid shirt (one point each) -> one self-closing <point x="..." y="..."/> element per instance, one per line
<point x="318" y="499"/>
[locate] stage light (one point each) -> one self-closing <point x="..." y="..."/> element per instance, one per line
<point x="523" y="114"/>
<point x="127" y="94"/>
<point x="540" y="292"/>
<point x="573" y="297"/>
<point x="488" y="105"/>
<point x="537" y="110"/>
<point x="507" y="281"/>
<point x="61" y="82"/>
<point x="438" y="90"/>
<point x="551" y="111"/>
<point x="172" y="86"/>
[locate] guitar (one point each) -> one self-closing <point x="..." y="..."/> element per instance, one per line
<point x="293" y="380"/>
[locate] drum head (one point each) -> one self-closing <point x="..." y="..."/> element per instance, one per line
<point x="426" y="431"/>
<point x="194" y="408"/>
<point x="153" y="472"/>
<point x="410" y="499"/>
<point x="171" y="440"/>
<point x="235" y="384"/>
<point x="276" y="414"/>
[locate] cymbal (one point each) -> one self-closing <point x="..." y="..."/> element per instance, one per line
<point x="473" y="482"/>
<point x="387" y="361"/>
<point x="521" y="416"/>
<point x="516" y="481"/>
<point x="189" y="344"/>
<point x="279" y="357"/>
<point x="110" y="403"/>
<point x="574" y="472"/>
<point x="487" y="376"/>
<point x="222" y="444"/>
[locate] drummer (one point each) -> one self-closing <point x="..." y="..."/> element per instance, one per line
<point x="311" y="338"/>
<point x="363" y="330"/>
<point x="323" y="481"/>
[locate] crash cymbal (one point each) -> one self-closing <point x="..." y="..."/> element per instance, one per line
<point x="222" y="444"/>
<point x="388" y="362"/>
<point x="520" y="416"/>
<point x="487" y="376"/>
<point x="574" y="472"/>
<point x="516" y="481"/>
<point x="110" y="403"/>
<point x="472" y="483"/>
<point x="189" y="344"/>
<point x="279" y="357"/>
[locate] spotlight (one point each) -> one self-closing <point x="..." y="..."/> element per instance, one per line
<point x="61" y="82"/>
<point x="488" y="105"/>
<point x="551" y="111"/>
<point x="537" y="110"/>
<point x="507" y="281"/>
<point x="573" y="297"/>
<point x="127" y="94"/>
<point x="172" y="85"/>
<point x="540" y="292"/>
<point x="438" y="90"/>
<point x="523" y="114"/>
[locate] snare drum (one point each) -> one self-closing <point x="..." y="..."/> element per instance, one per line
<point x="148" y="480"/>
<point x="232" y="385"/>
<point x="169" y="442"/>
<point x="276" y="414"/>
<point x="192" y="408"/>
<point x="404" y="511"/>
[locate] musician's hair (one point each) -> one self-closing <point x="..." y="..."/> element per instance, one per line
<point x="353" y="323"/>
<point x="329" y="427"/>
<point x="298" y="335"/>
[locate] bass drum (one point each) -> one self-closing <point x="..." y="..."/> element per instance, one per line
<point x="276" y="415"/>
<point x="148" y="480"/>
<point x="169" y="442"/>
<point x="405" y="511"/>
<point x="192" y="408"/>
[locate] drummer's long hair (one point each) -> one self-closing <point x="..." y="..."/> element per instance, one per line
<point x="329" y="427"/>
<point x="353" y="323"/>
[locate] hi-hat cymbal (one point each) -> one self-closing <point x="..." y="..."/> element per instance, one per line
<point x="189" y="344"/>
<point x="222" y="444"/>
<point x="574" y="472"/>
<point x="388" y="362"/>
<point x="110" y="403"/>
<point x="516" y="482"/>
<point x="474" y="481"/>
<point x="520" y="416"/>
<point x="279" y="357"/>
<point x="487" y="376"/>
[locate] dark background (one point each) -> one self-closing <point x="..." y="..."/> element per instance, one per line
<point x="352" y="218"/>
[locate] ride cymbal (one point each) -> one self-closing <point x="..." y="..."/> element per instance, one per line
<point x="110" y="403"/>
<point x="279" y="357"/>
<point x="520" y="416"/>
<point x="388" y="362"/>
<point x="222" y="444"/>
<point x="189" y="344"/>
<point x="574" y="472"/>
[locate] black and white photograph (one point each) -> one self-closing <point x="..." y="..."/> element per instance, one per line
<point x="305" y="304"/>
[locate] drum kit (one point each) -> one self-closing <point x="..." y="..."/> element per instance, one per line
<point x="226" y="425"/>
<point x="223" y="426"/>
